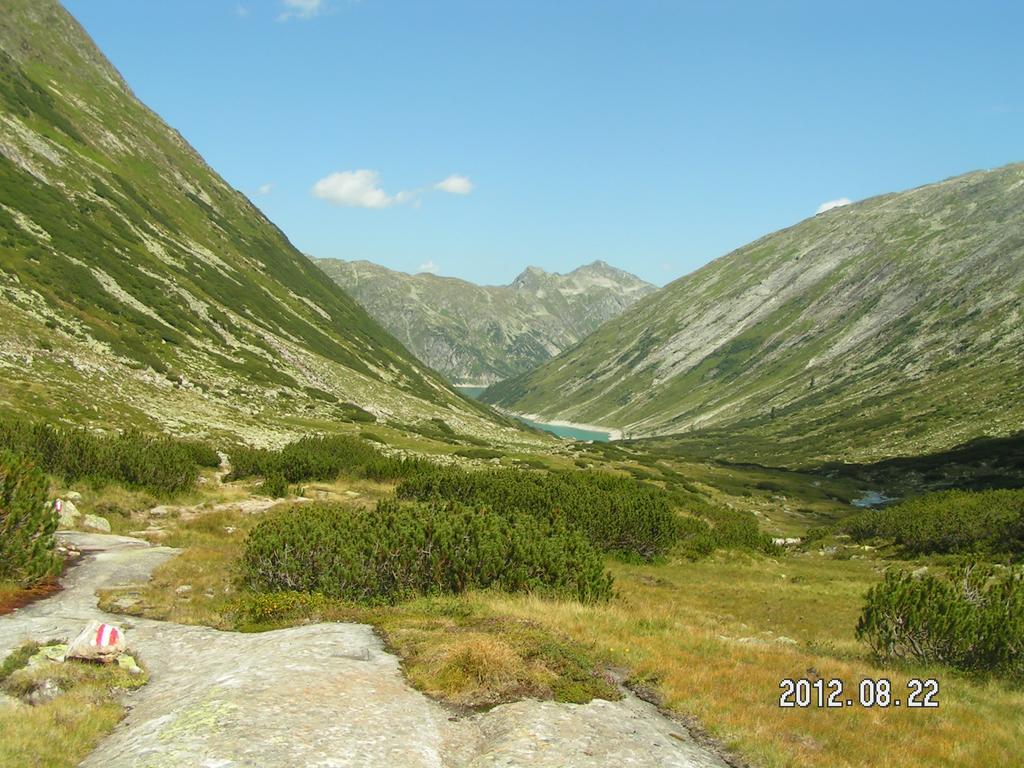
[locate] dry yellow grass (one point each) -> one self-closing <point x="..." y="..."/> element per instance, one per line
<point x="715" y="638"/>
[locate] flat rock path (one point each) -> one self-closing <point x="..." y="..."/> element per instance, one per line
<point x="323" y="695"/>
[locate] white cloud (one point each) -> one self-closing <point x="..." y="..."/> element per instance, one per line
<point x="362" y="189"/>
<point x="302" y="9"/>
<point x="828" y="206"/>
<point x="455" y="185"/>
<point x="357" y="189"/>
<point x="429" y="266"/>
<point x="265" y="189"/>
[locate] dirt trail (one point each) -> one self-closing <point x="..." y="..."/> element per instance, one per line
<point x="324" y="695"/>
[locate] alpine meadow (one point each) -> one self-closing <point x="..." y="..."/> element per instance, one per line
<point x="383" y="444"/>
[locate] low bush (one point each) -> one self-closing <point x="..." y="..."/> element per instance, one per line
<point x="617" y="514"/>
<point x="27" y="523"/>
<point x="973" y="619"/>
<point x="274" y="486"/>
<point x="321" y="458"/>
<point x="399" y="550"/>
<point x="161" y="464"/>
<point x="479" y="453"/>
<point x="948" y="522"/>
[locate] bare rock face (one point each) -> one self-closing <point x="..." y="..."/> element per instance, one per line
<point x="97" y="642"/>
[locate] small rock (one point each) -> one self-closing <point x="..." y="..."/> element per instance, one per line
<point x="917" y="573"/>
<point x="74" y="496"/>
<point x="184" y="589"/>
<point x="47" y="690"/>
<point x="96" y="523"/>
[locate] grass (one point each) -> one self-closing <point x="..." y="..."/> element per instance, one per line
<point x="713" y="640"/>
<point x="709" y="640"/>
<point x="62" y="731"/>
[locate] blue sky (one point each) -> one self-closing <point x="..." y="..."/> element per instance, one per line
<point x="491" y="134"/>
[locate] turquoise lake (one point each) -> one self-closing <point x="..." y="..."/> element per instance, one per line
<point x="569" y="433"/>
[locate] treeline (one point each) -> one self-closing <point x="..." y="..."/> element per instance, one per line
<point x="617" y="514"/>
<point x="989" y="523"/>
<point x="27" y="523"/>
<point x="401" y="549"/>
<point x="321" y="458"/>
<point x="160" y="464"/>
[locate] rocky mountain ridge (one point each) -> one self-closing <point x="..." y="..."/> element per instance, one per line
<point x="483" y="334"/>
<point x="139" y="289"/>
<point x="889" y="327"/>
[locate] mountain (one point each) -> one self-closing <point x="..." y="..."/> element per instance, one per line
<point x="893" y="326"/>
<point x="483" y="334"/>
<point x="139" y="288"/>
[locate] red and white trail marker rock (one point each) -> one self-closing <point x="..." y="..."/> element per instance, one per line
<point x="97" y="642"/>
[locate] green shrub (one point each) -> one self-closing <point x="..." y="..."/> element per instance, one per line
<point x="400" y="550"/>
<point x="161" y="464"/>
<point x="479" y="453"/>
<point x="321" y="458"/>
<point x="949" y="522"/>
<point x="617" y="514"/>
<point x="275" y="486"/>
<point x="27" y="523"/>
<point x="972" y="620"/>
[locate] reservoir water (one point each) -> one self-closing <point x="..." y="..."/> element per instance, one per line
<point x="569" y="433"/>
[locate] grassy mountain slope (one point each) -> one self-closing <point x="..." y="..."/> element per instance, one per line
<point x="138" y="287"/>
<point x="890" y="327"/>
<point x="484" y="334"/>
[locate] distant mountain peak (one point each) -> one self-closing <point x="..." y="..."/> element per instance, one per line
<point x="483" y="334"/>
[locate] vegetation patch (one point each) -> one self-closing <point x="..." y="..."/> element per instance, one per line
<point x="27" y="524"/>
<point x="948" y="522"/>
<point x="616" y="514"/>
<point x="321" y="458"/>
<point x="74" y="705"/>
<point x="401" y="550"/>
<point x="973" y="619"/>
<point x="161" y="464"/>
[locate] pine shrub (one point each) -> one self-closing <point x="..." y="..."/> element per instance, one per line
<point x="321" y="458"/>
<point x="617" y="514"/>
<point x="27" y="523"/>
<point x="400" y="550"/>
<point x="971" y="620"/>
<point x="157" y="463"/>
<point x="948" y="522"/>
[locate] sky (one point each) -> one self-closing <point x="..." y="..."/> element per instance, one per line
<point x="475" y="137"/>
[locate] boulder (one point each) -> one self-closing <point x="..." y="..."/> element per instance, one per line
<point x="74" y="496"/>
<point x="67" y="513"/>
<point x="96" y="523"/>
<point x="97" y="642"/>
